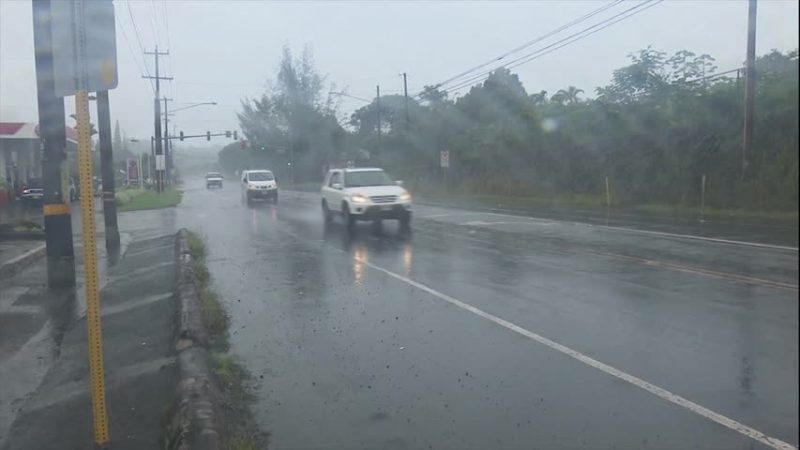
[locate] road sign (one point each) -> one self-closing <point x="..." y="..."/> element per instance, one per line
<point x="133" y="171"/>
<point x="84" y="46"/>
<point x="161" y="163"/>
<point x="444" y="158"/>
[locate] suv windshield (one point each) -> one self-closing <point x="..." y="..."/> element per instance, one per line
<point x="367" y="178"/>
<point x="260" y="176"/>
<point x="213" y="175"/>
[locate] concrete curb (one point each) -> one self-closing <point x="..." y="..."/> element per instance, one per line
<point x="13" y="265"/>
<point x="196" y="422"/>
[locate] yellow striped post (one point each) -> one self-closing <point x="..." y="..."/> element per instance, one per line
<point x="99" y="415"/>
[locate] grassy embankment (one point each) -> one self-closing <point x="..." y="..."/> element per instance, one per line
<point x="243" y="433"/>
<point x="139" y="199"/>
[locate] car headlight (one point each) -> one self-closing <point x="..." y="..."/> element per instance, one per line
<point x="405" y="197"/>
<point x="358" y="198"/>
<point x="252" y="188"/>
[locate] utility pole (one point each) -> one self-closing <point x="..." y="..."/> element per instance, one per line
<point x="405" y="93"/>
<point x="378" y="108"/>
<point x="107" y="171"/>
<point x="167" y="152"/>
<point x="160" y="162"/>
<point x="749" y="90"/>
<point x="52" y="132"/>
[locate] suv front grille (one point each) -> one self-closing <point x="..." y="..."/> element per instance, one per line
<point x="384" y="199"/>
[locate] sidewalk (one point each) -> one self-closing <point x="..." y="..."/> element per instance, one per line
<point x="45" y="402"/>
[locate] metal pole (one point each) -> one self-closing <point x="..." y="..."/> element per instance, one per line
<point x="750" y="90"/>
<point x="167" y="155"/>
<point x="141" y="172"/>
<point x="107" y="171"/>
<point x="52" y="131"/>
<point x="405" y="92"/>
<point x="378" y="107"/>
<point x="608" y="195"/>
<point x="96" y="375"/>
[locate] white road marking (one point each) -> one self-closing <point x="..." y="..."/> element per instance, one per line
<point x="481" y="223"/>
<point x="635" y="381"/>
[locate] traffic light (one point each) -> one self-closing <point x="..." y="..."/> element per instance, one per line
<point x="208" y="135"/>
<point x="235" y="135"/>
<point x="181" y="135"/>
<point x="228" y="134"/>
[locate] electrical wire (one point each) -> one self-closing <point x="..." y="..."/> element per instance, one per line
<point x="139" y="40"/>
<point x="532" y="42"/>
<point x="586" y="32"/>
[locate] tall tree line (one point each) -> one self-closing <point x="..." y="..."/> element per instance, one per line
<point x="662" y="123"/>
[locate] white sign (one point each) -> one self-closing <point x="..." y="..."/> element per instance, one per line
<point x="84" y="46"/>
<point x="160" y="162"/>
<point x="444" y="158"/>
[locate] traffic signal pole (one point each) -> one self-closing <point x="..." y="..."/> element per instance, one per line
<point x="107" y="171"/>
<point x="52" y="132"/>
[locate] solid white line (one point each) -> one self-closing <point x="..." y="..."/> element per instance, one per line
<point x="21" y="257"/>
<point x="638" y="382"/>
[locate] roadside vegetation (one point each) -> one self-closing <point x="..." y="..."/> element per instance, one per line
<point x="662" y="123"/>
<point x="242" y="431"/>
<point x="139" y="199"/>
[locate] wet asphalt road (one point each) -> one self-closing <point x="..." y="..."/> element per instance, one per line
<point x="384" y="340"/>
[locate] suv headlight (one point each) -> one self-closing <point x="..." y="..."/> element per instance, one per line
<point x="358" y="198"/>
<point x="405" y="197"/>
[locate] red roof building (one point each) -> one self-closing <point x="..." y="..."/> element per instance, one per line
<point x="21" y="155"/>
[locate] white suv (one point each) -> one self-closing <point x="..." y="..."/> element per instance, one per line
<point x="259" y="185"/>
<point x="364" y="194"/>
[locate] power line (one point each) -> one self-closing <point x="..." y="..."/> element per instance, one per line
<point x="586" y="32"/>
<point x="534" y="41"/>
<point x="139" y="40"/>
<point x="154" y="22"/>
<point x="172" y="87"/>
<point x="133" y="55"/>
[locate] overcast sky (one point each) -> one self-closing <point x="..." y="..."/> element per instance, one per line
<point x="225" y="51"/>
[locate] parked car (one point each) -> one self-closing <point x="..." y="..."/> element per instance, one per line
<point x="32" y="195"/>
<point x="213" y="179"/>
<point x="259" y="185"/>
<point x="364" y="194"/>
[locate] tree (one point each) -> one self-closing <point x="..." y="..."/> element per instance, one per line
<point x="568" y="96"/>
<point x="294" y="123"/>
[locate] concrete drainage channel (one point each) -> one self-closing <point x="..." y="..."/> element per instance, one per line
<point x="196" y="421"/>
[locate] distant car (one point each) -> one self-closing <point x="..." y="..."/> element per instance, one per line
<point x="32" y="196"/>
<point x="364" y="194"/>
<point x="213" y="179"/>
<point x="259" y="185"/>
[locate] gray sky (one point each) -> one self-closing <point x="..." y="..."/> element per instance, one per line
<point x="224" y="51"/>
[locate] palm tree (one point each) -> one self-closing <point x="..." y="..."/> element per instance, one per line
<point x="568" y="95"/>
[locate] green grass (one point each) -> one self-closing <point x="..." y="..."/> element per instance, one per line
<point x="598" y="202"/>
<point x="519" y="201"/>
<point x="136" y="200"/>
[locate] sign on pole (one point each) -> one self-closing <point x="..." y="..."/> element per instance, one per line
<point x="161" y="162"/>
<point x="84" y="46"/>
<point x="444" y="158"/>
<point x="132" y="171"/>
<point x="84" y="59"/>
